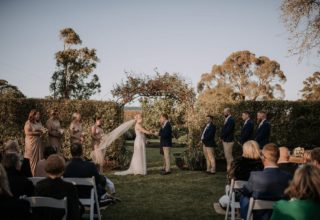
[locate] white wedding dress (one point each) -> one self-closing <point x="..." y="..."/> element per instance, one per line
<point x="138" y="163"/>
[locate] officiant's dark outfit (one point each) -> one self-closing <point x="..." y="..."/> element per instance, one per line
<point x="165" y="134"/>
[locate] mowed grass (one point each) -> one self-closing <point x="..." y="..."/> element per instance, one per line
<point x="181" y="195"/>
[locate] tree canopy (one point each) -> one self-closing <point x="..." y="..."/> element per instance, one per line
<point x="302" y="19"/>
<point x="9" y="91"/>
<point x="243" y="76"/>
<point x="311" y="87"/>
<point x="74" y="66"/>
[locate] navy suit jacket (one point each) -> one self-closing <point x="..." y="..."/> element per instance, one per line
<point x="208" y="136"/>
<point x="227" y="133"/>
<point x="247" y="132"/>
<point x="165" y="134"/>
<point x="263" y="134"/>
<point x="268" y="184"/>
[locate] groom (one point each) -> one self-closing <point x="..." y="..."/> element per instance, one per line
<point x="165" y="134"/>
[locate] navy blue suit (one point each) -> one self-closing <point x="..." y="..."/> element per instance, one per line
<point x="165" y="134"/>
<point x="247" y="132"/>
<point x="268" y="184"/>
<point x="263" y="134"/>
<point x="208" y="135"/>
<point x="227" y="133"/>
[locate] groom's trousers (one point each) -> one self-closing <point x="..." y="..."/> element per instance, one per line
<point x="166" y="155"/>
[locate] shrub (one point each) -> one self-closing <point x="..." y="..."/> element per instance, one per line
<point x="14" y="113"/>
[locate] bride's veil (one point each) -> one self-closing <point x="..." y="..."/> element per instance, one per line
<point x="98" y="154"/>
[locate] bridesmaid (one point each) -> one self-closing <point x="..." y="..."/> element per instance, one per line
<point x="76" y="134"/>
<point x="96" y="134"/>
<point x="54" y="130"/>
<point x="33" y="132"/>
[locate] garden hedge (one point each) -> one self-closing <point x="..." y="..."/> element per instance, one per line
<point x="14" y="113"/>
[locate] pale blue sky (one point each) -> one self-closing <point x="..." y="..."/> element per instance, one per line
<point x="185" y="36"/>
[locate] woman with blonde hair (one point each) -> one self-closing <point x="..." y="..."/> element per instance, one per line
<point x="55" y="131"/>
<point x="249" y="161"/>
<point x="33" y="142"/>
<point x="241" y="169"/>
<point x="304" y="191"/>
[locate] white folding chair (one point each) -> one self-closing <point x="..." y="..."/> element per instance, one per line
<point x="88" y="202"/>
<point x="257" y="204"/>
<point x="232" y="204"/>
<point x="35" y="180"/>
<point x="37" y="202"/>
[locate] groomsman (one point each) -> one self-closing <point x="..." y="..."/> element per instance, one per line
<point x="165" y="134"/>
<point x="227" y="136"/>
<point x="209" y="143"/>
<point x="263" y="130"/>
<point x="247" y="128"/>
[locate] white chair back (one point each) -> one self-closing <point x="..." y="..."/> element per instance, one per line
<point x="35" y="180"/>
<point x="257" y="204"/>
<point x="232" y="204"/>
<point x="93" y="194"/>
<point x="37" y="202"/>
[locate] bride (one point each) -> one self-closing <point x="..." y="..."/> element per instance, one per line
<point x="138" y="163"/>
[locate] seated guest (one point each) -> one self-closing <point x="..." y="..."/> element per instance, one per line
<point x="13" y="147"/>
<point x="304" y="192"/>
<point x="268" y="184"/>
<point x="284" y="164"/>
<point x="11" y="208"/>
<point x="315" y="157"/>
<point x="19" y="184"/>
<point x="241" y="169"/>
<point x="80" y="168"/>
<point x="249" y="161"/>
<point x="53" y="186"/>
<point x="40" y="172"/>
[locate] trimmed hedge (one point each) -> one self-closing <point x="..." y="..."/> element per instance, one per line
<point x="14" y="113"/>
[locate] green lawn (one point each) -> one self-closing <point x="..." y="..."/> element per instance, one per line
<point x="181" y="195"/>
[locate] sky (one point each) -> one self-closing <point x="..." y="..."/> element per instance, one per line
<point x="182" y="36"/>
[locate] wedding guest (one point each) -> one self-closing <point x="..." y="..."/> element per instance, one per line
<point x="40" y="168"/>
<point x="240" y="170"/>
<point x="19" y="184"/>
<point x="96" y="136"/>
<point x="227" y="136"/>
<point x="55" y="131"/>
<point x="209" y="143"/>
<point x="304" y="192"/>
<point x="12" y="146"/>
<point x="80" y="168"/>
<point x="10" y="207"/>
<point x="284" y="163"/>
<point x="53" y="186"/>
<point x="247" y="128"/>
<point x="249" y="161"/>
<point x="263" y="130"/>
<point x="268" y="184"/>
<point x="33" y="142"/>
<point x="315" y="157"/>
<point x="76" y="132"/>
